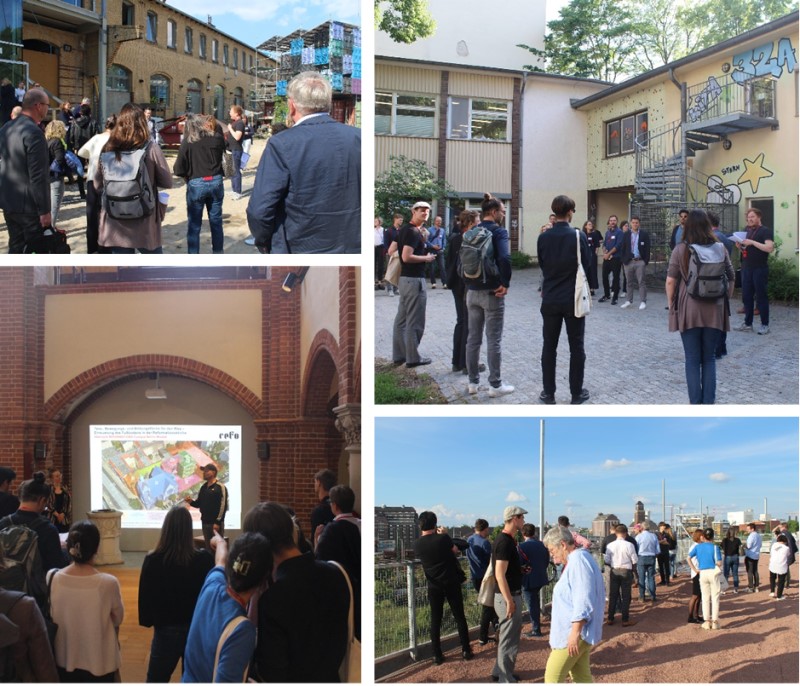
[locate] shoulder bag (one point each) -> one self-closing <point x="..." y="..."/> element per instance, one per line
<point x="392" y="275"/>
<point x="583" y="297"/>
<point x="488" y="586"/>
<point x="230" y="627"/>
<point x="350" y="669"/>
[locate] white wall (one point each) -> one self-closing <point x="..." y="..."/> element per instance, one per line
<point x="553" y="151"/>
<point x="188" y="402"/>
<point x="474" y="33"/>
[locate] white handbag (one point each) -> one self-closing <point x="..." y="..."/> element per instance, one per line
<point x="583" y="296"/>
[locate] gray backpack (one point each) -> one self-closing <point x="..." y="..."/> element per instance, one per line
<point x="706" y="278"/>
<point x="127" y="189"/>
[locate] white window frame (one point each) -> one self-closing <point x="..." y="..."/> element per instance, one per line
<point x="188" y="40"/>
<point x="471" y="113"/>
<point x="172" y="30"/>
<point x="214" y="50"/>
<point x="412" y="108"/>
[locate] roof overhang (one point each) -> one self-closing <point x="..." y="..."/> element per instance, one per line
<point x="60" y="15"/>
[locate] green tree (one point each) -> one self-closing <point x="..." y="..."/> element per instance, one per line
<point x="404" y="20"/>
<point x="791" y="525"/>
<point x="406" y="181"/>
<point x="591" y="39"/>
<point x="718" y="20"/>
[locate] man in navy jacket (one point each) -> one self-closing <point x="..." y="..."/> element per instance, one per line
<point x="307" y="193"/>
<point x="534" y="558"/>
<point x="635" y="258"/>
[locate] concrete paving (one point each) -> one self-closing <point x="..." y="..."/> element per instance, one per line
<point x="72" y="217"/>
<point x="631" y="358"/>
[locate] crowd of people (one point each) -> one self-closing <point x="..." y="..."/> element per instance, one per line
<point x="586" y="596"/>
<point x="271" y="606"/>
<point x="699" y="286"/>
<point x="305" y="197"/>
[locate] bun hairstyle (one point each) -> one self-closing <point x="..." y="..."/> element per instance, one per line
<point x="83" y="541"/>
<point x="489" y="204"/>
<point x="34" y="488"/>
<point x="249" y="562"/>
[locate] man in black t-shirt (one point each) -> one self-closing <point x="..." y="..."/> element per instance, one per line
<point x="437" y="553"/>
<point x="212" y="500"/>
<point x="409" y="324"/>
<point x="755" y="248"/>
<point x="235" y="135"/>
<point x="508" y="594"/>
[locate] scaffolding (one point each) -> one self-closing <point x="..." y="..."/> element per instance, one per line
<point x="332" y="48"/>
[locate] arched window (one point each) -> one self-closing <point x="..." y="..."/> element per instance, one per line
<point x="159" y="93"/>
<point x="194" y="96"/>
<point x="238" y="97"/>
<point x="119" y="79"/>
<point x="219" y="103"/>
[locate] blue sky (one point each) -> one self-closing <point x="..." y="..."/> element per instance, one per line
<point x="467" y="468"/>
<point x="254" y="21"/>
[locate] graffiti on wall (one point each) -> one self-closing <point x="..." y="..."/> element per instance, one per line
<point x="731" y="194"/>
<point x="704" y="99"/>
<point x="718" y="192"/>
<point x="754" y="171"/>
<point x="751" y="64"/>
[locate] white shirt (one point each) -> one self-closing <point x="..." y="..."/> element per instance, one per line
<point x="378" y="236"/>
<point x="91" y="150"/>
<point x="621" y="554"/>
<point x="779" y="555"/>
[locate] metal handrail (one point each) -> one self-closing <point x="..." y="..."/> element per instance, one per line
<point x="719" y="96"/>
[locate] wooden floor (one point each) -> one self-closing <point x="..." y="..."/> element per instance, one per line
<point x="134" y="639"/>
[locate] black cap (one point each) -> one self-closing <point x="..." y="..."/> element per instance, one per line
<point x="7" y="474"/>
<point x="211" y="466"/>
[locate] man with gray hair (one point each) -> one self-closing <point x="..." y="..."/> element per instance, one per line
<point x="25" y="173"/>
<point x="307" y="193"/>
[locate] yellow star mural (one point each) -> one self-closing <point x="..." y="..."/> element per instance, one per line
<point x="754" y="171"/>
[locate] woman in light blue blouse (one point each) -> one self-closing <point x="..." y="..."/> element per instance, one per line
<point x="576" y="623"/>
<point x="706" y="559"/>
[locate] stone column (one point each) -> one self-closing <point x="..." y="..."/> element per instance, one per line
<point x="109" y="523"/>
<point x="348" y="423"/>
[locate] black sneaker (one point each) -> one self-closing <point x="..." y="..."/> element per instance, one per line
<point x="438" y="659"/>
<point x="613" y="301"/>
<point x="580" y="398"/>
<point x="467" y="654"/>
<point x="603" y="299"/>
<point x="547" y="398"/>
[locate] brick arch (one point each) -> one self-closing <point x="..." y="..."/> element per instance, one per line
<point x="321" y="366"/>
<point x="357" y="375"/>
<point x="91" y="383"/>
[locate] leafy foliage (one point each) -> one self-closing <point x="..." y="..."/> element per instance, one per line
<point x="610" y="40"/>
<point x="404" y="20"/>
<point x="406" y="181"/>
<point x="520" y="260"/>
<point x="783" y="277"/>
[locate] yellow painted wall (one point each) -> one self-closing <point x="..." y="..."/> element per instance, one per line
<point x="219" y="328"/>
<point x="320" y="308"/>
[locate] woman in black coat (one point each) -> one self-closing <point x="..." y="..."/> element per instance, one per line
<point x="595" y="239"/>
<point x="466" y="220"/>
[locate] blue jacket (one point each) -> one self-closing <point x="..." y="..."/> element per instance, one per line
<point x="613" y="240"/>
<point x="502" y="258"/>
<point x="479" y="554"/>
<point x="538" y="559"/>
<point x="307" y="193"/>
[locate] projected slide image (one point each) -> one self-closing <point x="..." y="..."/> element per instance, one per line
<point x="143" y="475"/>
<point x="144" y="470"/>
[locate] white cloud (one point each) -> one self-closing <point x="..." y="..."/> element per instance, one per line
<point x="571" y="503"/>
<point x="340" y="10"/>
<point x="719" y="476"/>
<point x="514" y="497"/>
<point x="616" y="464"/>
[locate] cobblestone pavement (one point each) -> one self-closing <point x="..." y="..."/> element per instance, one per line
<point x="72" y="217"/>
<point x="631" y="358"/>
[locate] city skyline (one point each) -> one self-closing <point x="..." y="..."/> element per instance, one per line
<point x="467" y="468"/>
<point x="253" y="23"/>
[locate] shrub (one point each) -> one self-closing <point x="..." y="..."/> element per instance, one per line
<point x="783" y="278"/>
<point x="520" y="260"/>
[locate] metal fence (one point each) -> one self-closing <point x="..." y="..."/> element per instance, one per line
<point x="402" y="612"/>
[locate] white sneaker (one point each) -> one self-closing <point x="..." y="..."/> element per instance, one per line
<point x="771" y="595"/>
<point x="642" y="306"/>
<point x="736" y="591"/>
<point x="503" y="389"/>
<point x="250" y="240"/>
<point x="627" y="303"/>
<point x="236" y="196"/>
<point x="472" y="388"/>
<point x="624" y="294"/>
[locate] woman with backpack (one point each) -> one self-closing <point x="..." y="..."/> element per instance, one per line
<point x="466" y="220"/>
<point x="199" y="161"/>
<point x="86" y="605"/>
<point x="91" y="151"/>
<point x="131" y="214"/>
<point x="700" y="320"/>
<point x="56" y="150"/>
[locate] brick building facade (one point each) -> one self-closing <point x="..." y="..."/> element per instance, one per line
<point x="283" y="365"/>
<point x="155" y="53"/>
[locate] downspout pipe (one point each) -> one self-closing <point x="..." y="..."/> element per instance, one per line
<point x="102" y="56"/>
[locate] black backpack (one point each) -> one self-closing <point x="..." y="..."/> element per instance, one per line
<point x="23" y="564"/>
<point x="706" y="278"/>
<point x="128" y="192"/>
<point x="9" y="635"/>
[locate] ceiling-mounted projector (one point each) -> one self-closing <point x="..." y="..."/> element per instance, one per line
<point x="156" y="393"/>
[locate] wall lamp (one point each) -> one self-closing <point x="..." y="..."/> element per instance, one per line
<point x="156" y="393"/>
<point x="292" y="279"/>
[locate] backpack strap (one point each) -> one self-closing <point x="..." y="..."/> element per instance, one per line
<point x="8" y="599"/>
<point x="230" y="627"/>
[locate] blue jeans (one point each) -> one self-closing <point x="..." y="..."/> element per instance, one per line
<point x="754" y="286"/>
<point x="236" y="179"/>
<point x="166" y="649"/>
<point x="647" y="575"/>
<point x="534" y="609"/>
<point x="699" y="346"/>
<point x="731" y="564"/>
<point x="209" y="195"/>
<point x="56" y="196"/>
